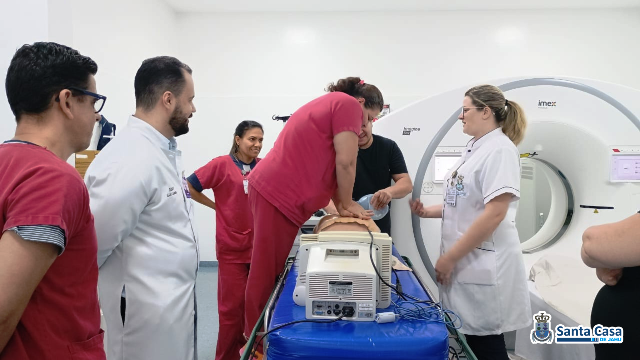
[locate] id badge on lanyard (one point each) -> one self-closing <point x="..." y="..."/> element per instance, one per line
<point x="452" y="190"/>
<point x="245" y="181"/>
<point x="452" y="195"/>
<point x="185" y="187"/>
<point x="244" y="171"/>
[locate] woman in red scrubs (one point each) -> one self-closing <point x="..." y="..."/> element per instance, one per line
<point x="312" y="161"/>
<point x="227" y="176"/>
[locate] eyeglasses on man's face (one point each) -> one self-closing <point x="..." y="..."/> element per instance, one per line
<point x="98" y="100"/>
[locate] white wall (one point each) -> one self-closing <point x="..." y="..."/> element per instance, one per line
<point x="251" y="66"/>
<point x="405" y="54"/>
<point x="60" y="22"/>
<point x="119" y="35"/>
<point x="25" y="22"/>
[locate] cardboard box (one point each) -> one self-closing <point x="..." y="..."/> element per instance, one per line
<point x="84" y="159"/>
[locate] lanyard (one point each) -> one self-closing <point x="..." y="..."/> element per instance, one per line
<point x="455" y="173"/>
<point x="241" y="165"/>
<point x="452" y="192"/>
<point x="245" y="181"/>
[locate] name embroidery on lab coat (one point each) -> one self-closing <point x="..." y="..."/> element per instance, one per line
<point x="171" y="192"/>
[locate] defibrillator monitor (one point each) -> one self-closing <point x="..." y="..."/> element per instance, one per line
<point x="625" y="167"/>
<point x="442" y="164"/>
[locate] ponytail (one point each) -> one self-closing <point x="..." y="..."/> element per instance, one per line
<point x="234" y="147"/>
<point x="515" y="123"/>
<point x="509" y="114"/>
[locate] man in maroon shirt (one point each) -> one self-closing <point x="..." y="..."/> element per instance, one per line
<point x="48" y="249"/>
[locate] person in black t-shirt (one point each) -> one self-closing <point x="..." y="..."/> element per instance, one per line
<point x="379" y="161"/>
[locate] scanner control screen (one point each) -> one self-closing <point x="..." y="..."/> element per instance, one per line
<point x="625" y="168"/>
<point x="442" y="165"/>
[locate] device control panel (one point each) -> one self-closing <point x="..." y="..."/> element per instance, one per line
<point x="625" y="164"/>
<point x="361" y="311"/>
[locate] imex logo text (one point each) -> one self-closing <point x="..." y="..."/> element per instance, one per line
<point x="546" y="104"/>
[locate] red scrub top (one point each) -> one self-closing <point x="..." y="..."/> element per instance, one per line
<point x="62" y="318"/>
<point x="234" y="222"/>
<point x="298" y="176"/>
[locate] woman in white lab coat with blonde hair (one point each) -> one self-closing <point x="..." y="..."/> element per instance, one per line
<point x="480" y="271"/>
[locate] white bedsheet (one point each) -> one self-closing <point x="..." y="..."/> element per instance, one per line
<point x="564" y="288"/>
<point x="567" y="285"/>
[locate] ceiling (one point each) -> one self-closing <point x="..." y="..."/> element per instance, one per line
<point x="388" y="5"/>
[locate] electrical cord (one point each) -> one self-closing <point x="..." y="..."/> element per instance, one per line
<point x="454" y="353"/>
<point x="257" y="344"/>
<point x="422" y="309"/>
<point x="397" y="289"/>
<point x="413" y="310"/>
<point x="399" y="285"/>
<point x="460" y="353"/>
<point x="374" y="264"/>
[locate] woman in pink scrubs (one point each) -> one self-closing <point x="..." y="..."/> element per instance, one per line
<point x="227" y="176"/>
<point x="312" y="161"/>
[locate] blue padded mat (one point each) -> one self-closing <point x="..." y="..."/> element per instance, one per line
<point x="402" y="340"/>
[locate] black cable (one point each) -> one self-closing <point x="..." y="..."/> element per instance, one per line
<point x="458" y="353"/>
<point x="257" y="344"/>
<point x="454" y="353"/>
<point x="374" y="264"/>
<point x="398" y="289"/>
<point x="399" y="286"/>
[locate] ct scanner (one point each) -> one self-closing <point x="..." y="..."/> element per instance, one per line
<point x="580" y="167"/>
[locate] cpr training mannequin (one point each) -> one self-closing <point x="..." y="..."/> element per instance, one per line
<point x="334" y="222"/>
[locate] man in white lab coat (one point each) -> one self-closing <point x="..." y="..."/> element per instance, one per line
<point x="147" y="246"/>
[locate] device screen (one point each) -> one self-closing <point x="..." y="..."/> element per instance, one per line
<point x="625" y="167"/>
<point x="442" y="165"/>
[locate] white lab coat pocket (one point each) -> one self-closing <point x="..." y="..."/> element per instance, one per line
<point x="479" y="266"/>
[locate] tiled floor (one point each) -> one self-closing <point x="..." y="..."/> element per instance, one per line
<point x="207" y="293"/>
